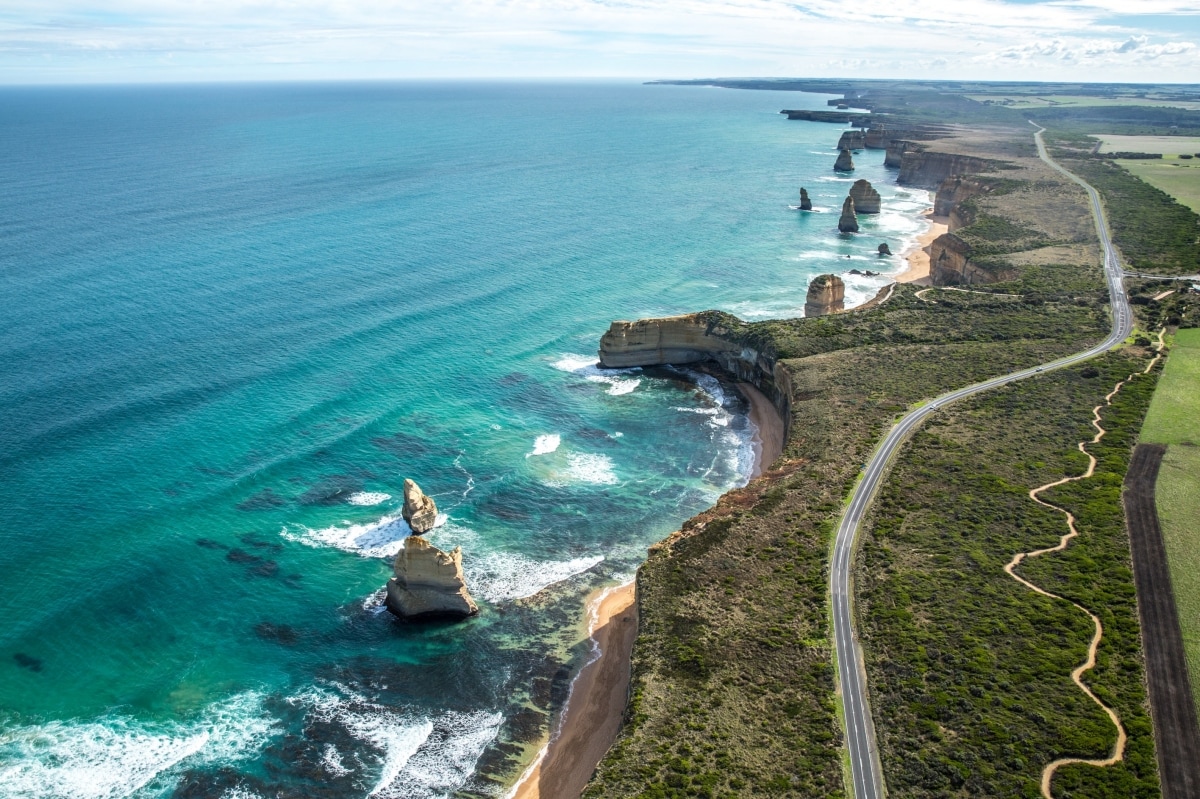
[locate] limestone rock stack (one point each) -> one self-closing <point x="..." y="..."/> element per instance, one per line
<point x="866" y="199"/>
<point x="805" y="202"/>
<point x="844" y="162"/>
<point x="884" y="249"/>
<point x="428" y="583"/>
<point x="826" y="295"/>
<point x="419" y="510"/>
<point x="848" y="222"/>
<point x="852" y="140"/>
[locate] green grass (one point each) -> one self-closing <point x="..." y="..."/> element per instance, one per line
<point x="1178" y="178"/>
<point x="1174" y="419"/>
<point x="969" y="671"/>
<point x="1174" y="416"/>
<point x="1167" y="145"/>
<point x="1177" y="495"/>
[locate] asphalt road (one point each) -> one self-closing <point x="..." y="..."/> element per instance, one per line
<point x="865" y="768"/>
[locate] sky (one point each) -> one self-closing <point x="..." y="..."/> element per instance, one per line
<point x="137" y="41"/>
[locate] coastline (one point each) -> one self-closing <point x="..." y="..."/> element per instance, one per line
<point x="594" y="712"/>
<point x="595" y="707"/>
<point x="916" y="256"/>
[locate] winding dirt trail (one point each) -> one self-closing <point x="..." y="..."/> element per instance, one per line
<point x="1118" y="750"/>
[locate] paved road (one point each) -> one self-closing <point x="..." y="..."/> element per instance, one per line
<point x="860" y="734"/>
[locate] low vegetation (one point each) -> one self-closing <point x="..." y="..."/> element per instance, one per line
<point x="970" y="671"/>
<point x="1155" y="233"/>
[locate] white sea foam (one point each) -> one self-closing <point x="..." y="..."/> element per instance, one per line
<point x="504" y="577"/>
<point x="586" y="367"/>
<point x="116" y="755"/>
<point x="545" y="444"/>
<point x="379" y="539"/>
<point x="368" y="498"/>
<point x="424" y="756"/>
<point x="589" y="468"/>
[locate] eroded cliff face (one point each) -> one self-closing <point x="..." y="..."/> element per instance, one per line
<point x="696" y="338"/>
<point x="826" y="295"/>
<point x="852" y="140"/>
<point x="950" y="264"/>
<point x="927" y="170"/>
<point x="428" y="583"/>
<point x="954" y="190"/>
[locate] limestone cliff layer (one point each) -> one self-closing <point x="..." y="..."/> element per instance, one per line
<point x="950" y="264"/>
<point x="927" y="169"/>
<point x="852" y="140"/>
<point x="696" y="338"/>
<point x="428" y="583"/>
<point x="866" y="199"/>
<point x="826" y="295"/>
<point x="955" y="190"/>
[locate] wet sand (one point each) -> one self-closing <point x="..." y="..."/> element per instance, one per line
<point x="595" y="707"/>
<point x="917" y="256"/>
<point x="768" y="434"/>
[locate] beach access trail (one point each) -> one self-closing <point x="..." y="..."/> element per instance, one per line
<point x="865" y="767"/>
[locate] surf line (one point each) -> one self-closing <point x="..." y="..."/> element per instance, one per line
<point x="1118" y="750"/>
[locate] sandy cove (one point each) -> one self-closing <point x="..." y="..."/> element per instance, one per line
<point x="916" y="257"/>
<point x="595" y="706"/>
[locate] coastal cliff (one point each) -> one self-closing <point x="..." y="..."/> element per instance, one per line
<point x="950" y="264"/>
<point x="955" y="190"/>
<point x="926" y="169"/>
<point x="710" y="336"/>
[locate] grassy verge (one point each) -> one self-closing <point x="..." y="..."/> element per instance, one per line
<point x="1174" y="416"/>
<point x="970" y="671"/>
<point x="1174" y="419"/>
<point x="1176" y="177"/>
<point x="1177" y="496"/>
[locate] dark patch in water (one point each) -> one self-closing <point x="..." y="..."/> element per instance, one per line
<point x="236" y="555"/>
<point x="263" y="500"/>
<point x="332" y="490"/>
<point x="268" y="568"/>
<point x="293" y="580"/>
<point x="526" y="725"/>
<point x="251" y="540"/>
<point x="279" y="633"/>
<point x="28" y="661"/>
<point x="512" y="379"/>
<point x="208" y="543"/>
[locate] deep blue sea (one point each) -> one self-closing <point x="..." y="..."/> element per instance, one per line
<point x="236" y="318"/>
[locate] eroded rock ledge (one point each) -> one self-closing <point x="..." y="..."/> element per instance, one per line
<point x="711" y="336"/>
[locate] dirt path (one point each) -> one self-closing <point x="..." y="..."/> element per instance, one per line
<point x="1118" y="750"/>
<point x="920" y="295"/>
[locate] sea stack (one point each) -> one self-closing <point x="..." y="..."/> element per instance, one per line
<point x="844" y="162"/>
<point x="884" y="249"/>
<point x="848" y="222"/>
<point x="419" y="510"/>
<point x="866" y="199"/>
<point x="826" y="295"/>
<point x="805" y="202"/>
<point x="428" y="583"/>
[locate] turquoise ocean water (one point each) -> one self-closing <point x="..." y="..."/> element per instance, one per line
<point x="236" y="318"/>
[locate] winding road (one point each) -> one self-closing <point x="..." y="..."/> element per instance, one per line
<point x="866" y="773"/>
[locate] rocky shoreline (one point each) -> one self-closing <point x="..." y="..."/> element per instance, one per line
<point x="591" y="719"/>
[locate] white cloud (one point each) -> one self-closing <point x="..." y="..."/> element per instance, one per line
<point x="505" y="38"/>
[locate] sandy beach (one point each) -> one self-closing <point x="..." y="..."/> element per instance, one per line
<point x="596" y="705"/>
<point x="768" y="432"/>
<point x="592" y="718"/>
<point x="917" y="256"/>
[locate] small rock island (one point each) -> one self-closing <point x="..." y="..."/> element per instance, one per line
<point x="805" y="202"/>
<point x="848" y="221"/>
<point x="844" y="162"/>
<point x="427" y="583"/>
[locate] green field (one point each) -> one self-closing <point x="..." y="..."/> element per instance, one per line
<point x="1178" y="178"/>
<point x="1174" y="419"/>
<point x="1167" y="145"/>
<point x="1174" y="416"/>
<point x="1022" y="101"/>
<point x="1178" y="504"/>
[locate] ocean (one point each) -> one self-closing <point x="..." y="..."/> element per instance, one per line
<point x="237" y="317"/>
